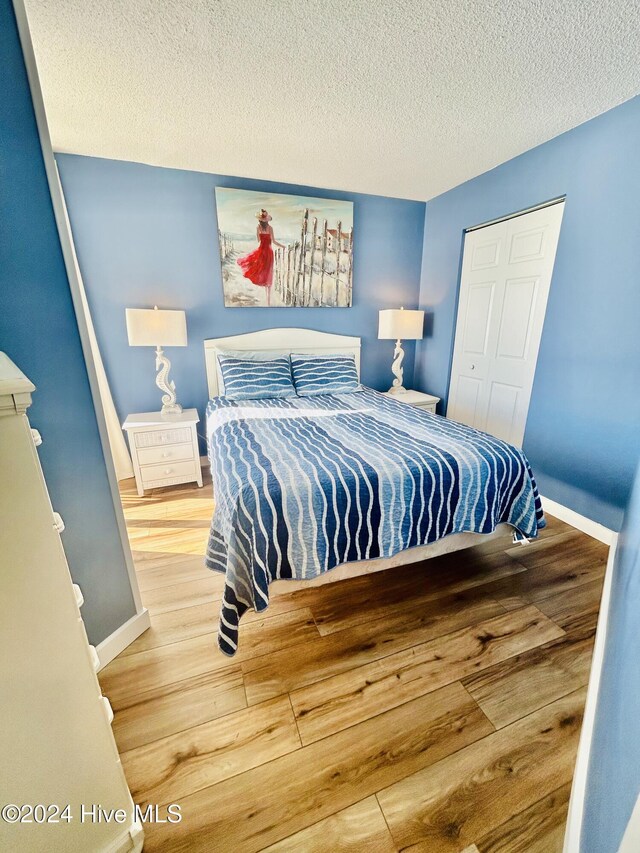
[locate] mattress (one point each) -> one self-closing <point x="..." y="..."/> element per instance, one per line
<point x="302" y="485"/>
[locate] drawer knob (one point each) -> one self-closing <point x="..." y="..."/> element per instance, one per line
<point x="107" y="709"/>
<point x="78" y="594"/>
<point x="168" y="470"/>
<point x="95" y="658"/>
<point x="166" y="454"/>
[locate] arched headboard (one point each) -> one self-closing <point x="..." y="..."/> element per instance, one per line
<point x="278" y="342"/>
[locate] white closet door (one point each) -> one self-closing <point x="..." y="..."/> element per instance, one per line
<point x="506" y="275"/>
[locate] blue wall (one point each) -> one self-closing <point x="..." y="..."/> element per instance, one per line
<point x="38" y="331"/>
<point x="147" y="235"/>
<point x="613" y="781"/>
<point x="585" y="407"/>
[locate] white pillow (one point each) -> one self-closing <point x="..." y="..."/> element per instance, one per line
<point x="247" y="356"/>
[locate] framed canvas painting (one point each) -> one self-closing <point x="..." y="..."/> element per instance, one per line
<point x="280" y="250"/>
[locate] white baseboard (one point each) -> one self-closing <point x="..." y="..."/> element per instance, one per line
<point x="579" y="786"/>
<point x="122" y="637"/>
<point x="580" y="522"/>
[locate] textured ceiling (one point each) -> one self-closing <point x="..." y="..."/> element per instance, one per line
<point x="401" y="98"/>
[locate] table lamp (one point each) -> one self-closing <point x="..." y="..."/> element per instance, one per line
<point x="152" y="327"/>
<point x="396" y="324"/>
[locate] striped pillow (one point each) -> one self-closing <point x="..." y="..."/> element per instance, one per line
<point x="324" y="374"/>
<point x="247" y="379"/>
<point x="243" y="355"/>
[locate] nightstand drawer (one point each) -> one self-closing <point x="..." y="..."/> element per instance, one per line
<point x="165" y="453"/>
<point x="169" y="471"/>
<point x="159" y="437"/>
<point x="429" y="407"/>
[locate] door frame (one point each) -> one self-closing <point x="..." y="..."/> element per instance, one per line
<point x="124" y="635"/>
<point x="555" y="200"/>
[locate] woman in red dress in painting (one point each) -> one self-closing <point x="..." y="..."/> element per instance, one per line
<point x="257" y="266"/>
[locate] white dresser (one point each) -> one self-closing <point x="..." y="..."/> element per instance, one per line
<point x="164" y="450"/>
<point x="56" y="742"/>
<point x="426" y="402"/>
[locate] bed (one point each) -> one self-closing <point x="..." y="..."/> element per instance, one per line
<point x="311" y="489"/>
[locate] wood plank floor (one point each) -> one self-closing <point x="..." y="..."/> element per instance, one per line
<point x="434" y="707"/>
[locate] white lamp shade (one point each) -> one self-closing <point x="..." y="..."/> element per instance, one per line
<point x="152" y="327"/>
<point x="397" y="324"/>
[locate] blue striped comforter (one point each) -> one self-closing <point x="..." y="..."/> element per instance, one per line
<point x="304" y="484"/>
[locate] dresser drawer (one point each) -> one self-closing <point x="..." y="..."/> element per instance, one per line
<point x="165" y="453"/>
<point x="160" y="437"/>
<point x="169" y="471"/>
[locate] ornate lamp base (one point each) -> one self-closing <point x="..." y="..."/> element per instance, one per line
<point x="163" y="366"/>
<point x="396" y="368"/>
<point x="175" y="409"/>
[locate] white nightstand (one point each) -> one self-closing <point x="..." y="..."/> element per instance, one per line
<point x="164" y="450"/>
<point x="426" y="402"/>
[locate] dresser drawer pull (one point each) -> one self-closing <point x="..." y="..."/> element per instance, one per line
<point x="78" y="594"/>
<point x="37" y="438"/>
<point x="58" y="523"/>
<point x="95" y="659"/>
<point x="108" y="710"/>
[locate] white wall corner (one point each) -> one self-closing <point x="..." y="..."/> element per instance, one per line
<point x="122" y="637"/>
<point x="631" y="840"/>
